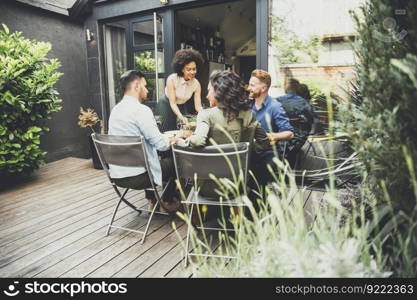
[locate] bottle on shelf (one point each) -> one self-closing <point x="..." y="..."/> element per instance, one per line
<point x="211" y="49"/>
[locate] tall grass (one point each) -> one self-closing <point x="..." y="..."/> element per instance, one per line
<point x="281" y="240"/>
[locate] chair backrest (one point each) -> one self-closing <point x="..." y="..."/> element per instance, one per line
<point x="126" y="151"/>
<point x="223" y="161"/>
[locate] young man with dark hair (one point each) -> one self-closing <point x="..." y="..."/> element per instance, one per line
<point x="130" y="117"/>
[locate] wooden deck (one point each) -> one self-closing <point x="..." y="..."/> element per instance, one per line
<point x="54" y="225"/>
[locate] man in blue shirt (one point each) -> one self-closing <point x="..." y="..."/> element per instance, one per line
<point x="130" y="117"/>
<point x="272" y="117"/>
<point x="267" y="111"/>
<point x="301" y="115"/>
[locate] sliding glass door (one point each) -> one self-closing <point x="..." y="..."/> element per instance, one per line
<point x="115" y="59"/>
<point x="143" y="43"/>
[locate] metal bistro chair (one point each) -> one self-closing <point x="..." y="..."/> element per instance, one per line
<point x="126" y="151"/>
<point x="223" y="161"/>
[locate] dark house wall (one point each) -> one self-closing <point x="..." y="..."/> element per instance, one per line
<point x="68" y="46"/>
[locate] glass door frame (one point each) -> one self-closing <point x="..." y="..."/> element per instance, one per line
<point x="167" y="45"/>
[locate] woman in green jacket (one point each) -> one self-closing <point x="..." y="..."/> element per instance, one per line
<point x="229" y="119"/>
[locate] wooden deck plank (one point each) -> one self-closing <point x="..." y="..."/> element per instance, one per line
<point x="50" y="207"/>
<point x="98" y="244"/>
<point x="164" y="264"/>
<point x="50" y="200"/>
<point x="18" y="249"/>
<point x="39" y="182"/>
<point x="76" y="181"/>
<point x="75" y="201"/>
<point x="30" y="253"/>
<point x="40" y="267"/>
<point x="96" y="261"/>
<point x="117" y="263"/>
<point x="180" y="270"/>
<point x="148" y="258"/>
<point x="45" y="173"/>
<point x="83" y="214"/>
<point x="59" y="218"/>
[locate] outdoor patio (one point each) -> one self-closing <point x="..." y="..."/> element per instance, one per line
<point x="54" y="225"/>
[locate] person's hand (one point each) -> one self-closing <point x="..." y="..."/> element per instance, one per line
<point x="175" y="140"/>
<point x="271" y="138"/>
<point x="184" y="133"/>
<point x="184" y="120"/>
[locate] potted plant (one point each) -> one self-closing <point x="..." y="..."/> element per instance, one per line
<point x="89" y="118"/>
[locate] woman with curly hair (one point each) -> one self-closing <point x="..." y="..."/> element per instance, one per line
<point x="229" y="112"/>
<point x="229" y="119"/>
<point x="181" y="86"/>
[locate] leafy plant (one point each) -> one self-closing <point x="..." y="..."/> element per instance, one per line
<point x="381" y="123"/>
<point x="290" y="47"/>
<point x="321" y="99"/>
<point x="145" y="62"/>
<point x="27" y="98"/>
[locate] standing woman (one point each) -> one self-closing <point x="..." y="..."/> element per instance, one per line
<point x="180" y="88"/>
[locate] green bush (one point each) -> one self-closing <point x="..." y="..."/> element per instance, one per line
<point x="321" y="99"/>
<point x="27" y="98"/>
<point x="384" y="120"/>
<point x="382" y="125"/>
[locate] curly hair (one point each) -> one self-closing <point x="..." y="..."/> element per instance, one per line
<point x="185" y="56"/>
<point x="230" y="92"/>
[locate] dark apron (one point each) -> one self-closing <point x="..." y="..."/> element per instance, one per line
<point x="168" y="118"/>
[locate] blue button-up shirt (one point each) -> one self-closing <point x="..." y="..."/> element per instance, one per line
<point x="272" y="116"/>
<point x="131" y="118"/>
<point x="295" y="106"/>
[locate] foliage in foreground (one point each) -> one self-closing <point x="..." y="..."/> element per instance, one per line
<point x="376" y="236"/>
<point x="381" y="123"/>
<point x="280" y="240"/>
<point x="27" y="98"/>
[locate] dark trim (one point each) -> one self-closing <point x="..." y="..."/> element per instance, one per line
<point x="112" y="9"/>
<point x="103" y="75"/>
<point x="169" y="35"/>
<point x="262" y="29"/>
<point x="80" y="10"/>
<point x="146" y="47"/>
<point x="46" y="5"/>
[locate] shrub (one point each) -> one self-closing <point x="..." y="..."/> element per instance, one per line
<point x="382" y="125"/>
<point x="27" y="98"/>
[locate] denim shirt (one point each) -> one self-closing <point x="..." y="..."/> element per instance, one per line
<point x="131" y="118"/>
<point x="295" y="107"/>
<point x="272" y="116"/>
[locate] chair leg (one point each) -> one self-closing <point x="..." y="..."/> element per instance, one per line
<point x="239" y="237"/>
<point x="187" y="242"/>
<point x="147" y="224"/>
<point x="115" y="210"/>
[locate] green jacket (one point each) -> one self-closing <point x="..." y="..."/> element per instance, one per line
<point x="212" y="124"/>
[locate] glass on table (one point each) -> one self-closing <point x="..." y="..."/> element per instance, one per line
<point x="183" y="130"/>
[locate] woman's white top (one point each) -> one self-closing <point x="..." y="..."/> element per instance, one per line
<point x="184" y="89"/>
